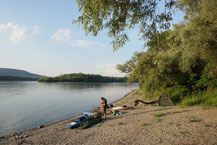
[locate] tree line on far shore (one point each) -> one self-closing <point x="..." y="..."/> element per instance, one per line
<point x="14" y="78"/>
<point x="80" y="77"/>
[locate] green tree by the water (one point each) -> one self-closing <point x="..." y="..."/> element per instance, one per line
<point x="80" y="77"/>
<point x="117" y="16"/>
<point x="181" y="62"/>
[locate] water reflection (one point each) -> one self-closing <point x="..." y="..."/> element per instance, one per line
<point x="25" y="105"/>
<point x="81" y="85"/>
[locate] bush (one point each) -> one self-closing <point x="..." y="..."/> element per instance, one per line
<point x="206" y="98"/>
<point x="177" y="93"/>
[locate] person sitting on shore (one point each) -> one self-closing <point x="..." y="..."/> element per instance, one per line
<point x="104" y="106"/>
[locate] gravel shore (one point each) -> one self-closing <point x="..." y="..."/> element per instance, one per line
<point x="145" y="125"/>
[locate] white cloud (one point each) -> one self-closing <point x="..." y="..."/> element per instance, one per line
<point x="19" y="32"/>
<point x="64" y="36"/>
<point x="61" y="35"/>
<point x="109" y="70"/>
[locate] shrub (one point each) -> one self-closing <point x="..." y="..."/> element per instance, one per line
<point x="206" y="98"/>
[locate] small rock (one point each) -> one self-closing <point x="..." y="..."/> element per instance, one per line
<point x="24" y="136"/>
<point x="16" y="136"/>
<point x="40" y="126"/>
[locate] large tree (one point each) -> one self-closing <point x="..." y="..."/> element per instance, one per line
<point x="118" y="16"/>
<point x="184" y="58"/>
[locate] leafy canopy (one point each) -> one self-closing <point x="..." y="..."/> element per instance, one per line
<point x="184" y="58"/>
<point x="181" y="62"/>
<point x="118" y="16"/>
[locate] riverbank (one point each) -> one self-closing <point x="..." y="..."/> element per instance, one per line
<point x="142" y="125"/>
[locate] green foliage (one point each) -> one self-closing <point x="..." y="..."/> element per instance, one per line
<point x="117" y="16"/>
<point x="159" y="120"/>
<point x="159" y="114"/>
<point x="80" y="77"/>
<point x="178" y="124"/>
<point x="145" y="124"/>
<point x="120" y="123"/>
<point x="184" y="132"/>
<point x="202" y="98"/>
<point x="110" y="125"/>
<point x="194" y="120"/>
<point x="177" y="93"/>
<point x="13" y="78"/>
<point x="180" y="62"/>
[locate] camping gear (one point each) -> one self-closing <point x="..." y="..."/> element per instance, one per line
<point x="125" y="107"/>
<point x="115" y="112"/>
<point x="145" y="103"/>
<point x="75" y="123"/>
<point x="99" y="124"/>
<point x="165" y="100"/>
<point x="118" y="108"/>
<point x="94" y="119"/>
<point x="89" y="113"/>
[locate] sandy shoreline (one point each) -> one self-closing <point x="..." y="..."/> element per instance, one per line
<point x="192" y="125"/>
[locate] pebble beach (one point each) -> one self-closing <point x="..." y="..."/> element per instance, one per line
<point x="145" y="125"/>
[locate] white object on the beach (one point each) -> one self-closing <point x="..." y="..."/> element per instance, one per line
<point x="118" y="108"/>
<point x="73" y="123"/>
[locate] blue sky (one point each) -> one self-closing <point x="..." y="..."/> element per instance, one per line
<point x="38" y="36"/>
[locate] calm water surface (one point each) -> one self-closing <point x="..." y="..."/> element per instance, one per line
<point x="25" y="105"/>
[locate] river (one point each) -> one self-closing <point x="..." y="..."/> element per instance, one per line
<point x="25" y="105"/>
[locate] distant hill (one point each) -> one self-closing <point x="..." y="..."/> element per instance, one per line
<point x="8" y="72"/>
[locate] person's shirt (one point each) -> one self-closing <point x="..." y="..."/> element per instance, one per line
<point x="104" y="102"/>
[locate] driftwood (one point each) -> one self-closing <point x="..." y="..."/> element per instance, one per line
<point x="145" y="103"/>
<point x="163" y="96"/>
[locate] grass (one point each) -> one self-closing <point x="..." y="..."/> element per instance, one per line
<point x="194" y="120"/>
<point x="207" y="125"/>
<point x="159" y="120"/>
<point x="204" y="99"/>
<point x="184" y="132"/>
<point x="177" y="112"/>
<point x="138" y="92"/>
<point x="145" y="124"/>
<point x="120" y="123"/>
<point x="159" y="114"/>
<point x="184" y="110"/>
<point x="178" y="124"/>
<point x="110" y="125"/>
<point x="173" y="134"/>
<point x="205" y="107"/>
<point x="170" y="123"/>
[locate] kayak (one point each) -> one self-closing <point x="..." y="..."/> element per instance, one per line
<point x="89" y="113"/>
<point x="78" y="121"/>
